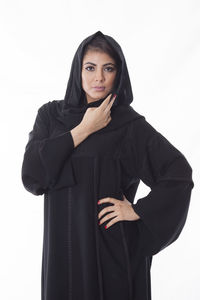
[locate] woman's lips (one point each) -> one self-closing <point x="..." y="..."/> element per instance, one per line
<point x="99" y="89"/>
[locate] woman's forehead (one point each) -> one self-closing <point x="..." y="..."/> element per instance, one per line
<point x="97" y="57"/>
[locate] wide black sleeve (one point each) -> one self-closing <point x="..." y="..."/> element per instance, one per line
<point x="45" y="156"/>
<point x="163" y="168"/>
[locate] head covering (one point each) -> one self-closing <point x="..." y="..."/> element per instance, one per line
<point x="74" y="89"/>
<point x="71" y="110"/>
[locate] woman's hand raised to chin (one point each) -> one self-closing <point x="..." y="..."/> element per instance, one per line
<point x="119" y="211"/>
<point x="96" y="118"/>
<point x="93" y="120"/>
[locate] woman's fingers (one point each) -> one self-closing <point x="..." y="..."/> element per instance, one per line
<point x="108" y="108"/>
<point x="111" y="103"/>
<point x="106" y="104"/>
<point x="121" y="210"/>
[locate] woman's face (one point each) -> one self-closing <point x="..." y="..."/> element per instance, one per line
<point x="98" y="70"/>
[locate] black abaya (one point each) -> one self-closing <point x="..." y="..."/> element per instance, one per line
<point x="81" y="259"/>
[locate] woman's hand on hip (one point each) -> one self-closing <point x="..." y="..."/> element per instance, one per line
<point x="121" y="210"/>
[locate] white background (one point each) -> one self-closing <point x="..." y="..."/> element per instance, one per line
<point x="161" y="44"/>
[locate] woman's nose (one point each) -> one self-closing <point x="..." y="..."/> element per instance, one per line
<point x="99" y="75"/>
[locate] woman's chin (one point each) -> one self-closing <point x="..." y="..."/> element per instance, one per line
<point x="97" y="96"/>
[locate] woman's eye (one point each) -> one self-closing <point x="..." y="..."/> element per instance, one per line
<point x="110" y="68"/>
<point x="88" y="67"/>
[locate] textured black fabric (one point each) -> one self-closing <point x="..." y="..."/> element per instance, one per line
<point x="82" y="260"/>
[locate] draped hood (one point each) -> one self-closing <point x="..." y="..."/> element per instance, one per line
<point x="74" y="105"/>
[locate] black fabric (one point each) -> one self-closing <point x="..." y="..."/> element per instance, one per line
<point x="82" y="260"/>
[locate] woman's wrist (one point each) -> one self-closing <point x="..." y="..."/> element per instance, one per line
<point x="136" y="216"/>
<point x="79" y="134"/>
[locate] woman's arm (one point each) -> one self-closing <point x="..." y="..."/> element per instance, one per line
<point x="46" y="157"/>
<point x="166" y="171"/>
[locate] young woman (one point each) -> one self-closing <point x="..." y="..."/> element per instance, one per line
<point x="87" y="154"/>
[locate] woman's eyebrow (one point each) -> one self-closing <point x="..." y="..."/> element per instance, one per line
<point x="95" y="64"/>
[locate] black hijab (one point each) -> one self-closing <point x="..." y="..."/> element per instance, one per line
<point x="71" y="110"/>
